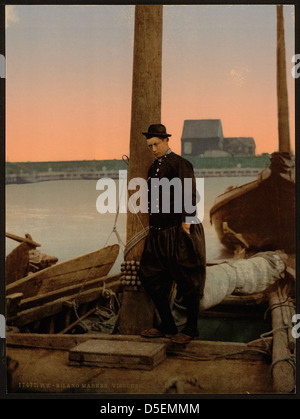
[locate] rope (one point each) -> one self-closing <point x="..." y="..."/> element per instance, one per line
<point x="290" y="359"/>
<point x="87" y="277"/>
<point x="219" y="356"/>
<point x="271" y="332"/>
<point x="78" y="318"/>
<point x="131" y="243"/>
<point x="134" y="241"/>
<point x="114" y="230"/>
<point x="129" y="246"/>
<point x="144" y="228"/>
<point x="139" y="236"/>
<point x="282" y="304"/>
<point x="108" y="293"/>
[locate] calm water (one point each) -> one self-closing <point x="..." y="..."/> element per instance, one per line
<point x="62" y="217"/>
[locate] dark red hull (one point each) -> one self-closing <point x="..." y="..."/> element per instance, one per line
<point x="262" y="211"/>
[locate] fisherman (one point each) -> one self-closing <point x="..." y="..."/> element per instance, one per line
<point x="174" y="250"/>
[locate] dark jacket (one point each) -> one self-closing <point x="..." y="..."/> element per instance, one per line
<point x="170" y="198"/>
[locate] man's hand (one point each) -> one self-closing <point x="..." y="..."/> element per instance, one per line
<point x="186" y="227"/>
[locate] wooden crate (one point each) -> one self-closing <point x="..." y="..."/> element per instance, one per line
<point x="118" y="354"/>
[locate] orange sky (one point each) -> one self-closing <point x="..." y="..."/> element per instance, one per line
<point x="69" y="87"/>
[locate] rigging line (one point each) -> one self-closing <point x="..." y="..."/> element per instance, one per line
<point x="118" y="237"/>
<point x="134" y="241"/>
<point x="77" y="280"/>
<point x="134" y="212"/>
<point x="114" y="230"/>
<point x="138" y="237"/>
<point x="145" y="229"/>
<point x="97" y="257"/>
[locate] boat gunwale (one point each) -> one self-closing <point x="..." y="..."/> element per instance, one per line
<point x="42" y="274"/>
<point x="240" y="190"/>
<point x="234" y="193"/>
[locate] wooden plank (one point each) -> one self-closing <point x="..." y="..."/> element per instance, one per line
<point x="17" y="263"/>
<point x="85" y="267"/>
<point x="110" y="283"/>
<point x="282" y="369"/>
<point x="13" y="303"/>
<point x="253" y="351"/>
<point x="70" y="326"/>
<point x="53" y="307"/>
<point x="286" y="316"/>
<point x="20" y="239"/>
<point x="119" y="354"/>
<point x="214" y="350"/>
<point x="246" y="300"/>
<point x="227" y="314"/>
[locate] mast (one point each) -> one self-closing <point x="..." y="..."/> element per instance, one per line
<point x="282" y="93"/>
<point x="137" y="311"/>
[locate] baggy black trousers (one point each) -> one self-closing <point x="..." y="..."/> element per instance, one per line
<point x="170" y="255"/>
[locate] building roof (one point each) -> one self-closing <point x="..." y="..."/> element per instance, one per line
<point x="240" y="140"/>
<point x="202" y="128"/>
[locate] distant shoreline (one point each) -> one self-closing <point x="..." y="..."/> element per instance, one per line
<point x="32" y="172"/>
<point x="55" y="176"/>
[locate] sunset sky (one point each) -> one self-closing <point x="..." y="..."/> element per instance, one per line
<point x="69" y="74"/>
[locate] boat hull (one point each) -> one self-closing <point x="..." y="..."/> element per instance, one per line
<point x="263" y="212"/>
<point x="45" y="301"/>
<point x="73" y="271"/>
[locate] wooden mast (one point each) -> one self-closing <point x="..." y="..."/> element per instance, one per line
<point x="136" y="311"/>
<point x="282" y="93"/>
<point x="283" y="371"/>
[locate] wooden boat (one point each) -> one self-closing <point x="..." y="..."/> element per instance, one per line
<point x="262" y="212"/>
<point x="53" y="290"/>
<point x="207" y="362"/>
<point x="238" y="363"/>
<point x="70" y="272"/>
<point x="25" y="258"/>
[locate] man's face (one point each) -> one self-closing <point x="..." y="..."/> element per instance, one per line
<point x="158" y="146"/>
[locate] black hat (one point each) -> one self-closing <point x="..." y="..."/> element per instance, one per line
<point x="156" y="130"/>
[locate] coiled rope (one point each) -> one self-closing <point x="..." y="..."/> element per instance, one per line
<point x="139" y="236"/>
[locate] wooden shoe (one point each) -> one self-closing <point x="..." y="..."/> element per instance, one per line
<point x="181" y="338"/>
<point x="155" y="333"/>
<point x="152" y="333"/>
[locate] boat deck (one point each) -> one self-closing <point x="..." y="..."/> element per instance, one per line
<point x="203" y="367"/>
